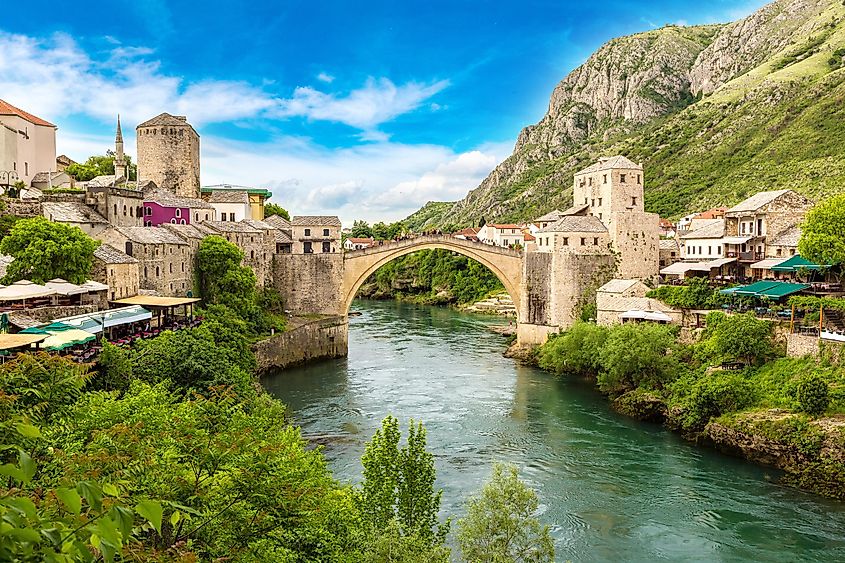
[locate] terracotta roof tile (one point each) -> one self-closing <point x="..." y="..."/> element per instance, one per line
<point x="8" y="109"/>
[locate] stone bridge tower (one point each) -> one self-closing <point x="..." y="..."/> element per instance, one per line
<point x="169" y="154"/>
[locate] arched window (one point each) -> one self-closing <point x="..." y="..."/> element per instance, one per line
<point x="182" y="222"/>
<point x="173" y="221"/>
<point x="124" y="211"/>
<point x="131" y="211"/>
<point x="196" y="217"/>
<point x="149" y="210"/>
<point x="178" y="212"/>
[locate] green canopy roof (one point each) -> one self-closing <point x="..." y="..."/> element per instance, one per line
<point x="34" y="330"/>
<point x="796" y="263"/>
<point x="782" y="290"/>
<point x="754" y="288"/>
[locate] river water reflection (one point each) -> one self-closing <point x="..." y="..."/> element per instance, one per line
<point x="612" y="488"/>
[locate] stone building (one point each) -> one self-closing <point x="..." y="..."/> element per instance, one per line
<point x="169" y="154"/>
<point x="284" y="231"/>
<point x="117" y="270"/>
<point x="670" y="252"/>
<point x="784" y="244"/>
<point x="122" y="207"/>
<point x="75" y="214"/>
<point x="27" y="145"/>
<point x="49" y="180"/>
<point x="574" y="233"/>
<point x="316" y="234"/>
<point x="763" y="216"/>
<point x="619" y="296"/>
<point x="612" y="190"/>
<point x="165" y="259"/>
<point x="257" y="243"/>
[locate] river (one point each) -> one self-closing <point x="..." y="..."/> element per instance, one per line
<point x="613" y="489"/>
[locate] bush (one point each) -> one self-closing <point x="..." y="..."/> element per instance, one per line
<point x="812" y="394"/>
<point x="743" y="337"/>
<point x="637" y="355"/>
<point x="716" y="394"/>
<point x="575" y="351"/>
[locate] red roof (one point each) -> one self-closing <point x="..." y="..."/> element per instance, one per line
<point x="529" y="237"/>
<point x="503" y="226"/>
<point x="714" y="213"/>
<point x="359" y="240"/>
<point x="8" y="109"/>
<point x="468" y="231"/>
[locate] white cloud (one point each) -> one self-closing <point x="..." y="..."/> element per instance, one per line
<point x="325" y="77"/>
<point x="377" y="102"/>
<point x="55" y="77"/>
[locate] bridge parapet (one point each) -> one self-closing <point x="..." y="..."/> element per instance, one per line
<point x="393" y="245"/>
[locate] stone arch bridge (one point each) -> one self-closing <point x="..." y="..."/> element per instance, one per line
<point x="505" y="263"/>
<point x="547" y="288"/>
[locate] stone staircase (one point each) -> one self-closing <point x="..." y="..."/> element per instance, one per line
<point x="499" y="304"/>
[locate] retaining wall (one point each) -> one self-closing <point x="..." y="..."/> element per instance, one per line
<point x="307" y="340"/>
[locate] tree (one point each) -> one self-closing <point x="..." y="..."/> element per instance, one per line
<point x="743" y="337"/>
<point x="576" y="351"/>
<point x="398" y="484"/>
<point x="501" y="524"/>
<point x="273" y="209"/>
<point x="223" y="280"/>
<point x="821" y="233"/>
<point x="361" y="229"/>
<point x="812" y="394"/>
<point x="636" y="355"/>
<point x="380" y="231"/>
<point x="98" y="165"/>
<point x="43" y="250"/>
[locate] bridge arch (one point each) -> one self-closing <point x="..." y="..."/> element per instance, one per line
<point x="505" y="263"/>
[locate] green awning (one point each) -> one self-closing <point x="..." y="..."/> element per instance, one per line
<point x="729" y="290"/>
<point x="796" y="263"/>
<point x="782" y="290"/>
<point x="34" y="330"/>
<point x="754" y="288"/>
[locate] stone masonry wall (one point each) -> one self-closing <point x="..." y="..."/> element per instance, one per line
<point x="310" y="283"/>
<point x="170" y="157"/>
<point x="799" y="345"/>
<point x="637" y="240"/>
<point x="576" y="277"/>
<point x="312" y="340"/>
<point x="537" y="293"/>
<point x="22" y="208"/>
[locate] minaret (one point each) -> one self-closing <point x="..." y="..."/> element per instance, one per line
<point x="120" y="168"/>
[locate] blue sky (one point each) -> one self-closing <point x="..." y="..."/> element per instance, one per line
<point x="364" y="109"/>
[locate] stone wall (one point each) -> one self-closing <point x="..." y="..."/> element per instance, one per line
<point x="122" y="207"/>
<point x="169" y="155"/>
<point x="800" y="345"/>
<point x="636" y="238"/>
<point x="575" y="279"/>
<point x="310" y="283"/>
<point x="123" y="279"/>
<point x="22" y="208"/>
<point x="537" y="289"/>
<point x="46" y="314"/>
<point x="311" y="340"/>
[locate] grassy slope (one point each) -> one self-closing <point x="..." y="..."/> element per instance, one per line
<point x="781" y="125"/>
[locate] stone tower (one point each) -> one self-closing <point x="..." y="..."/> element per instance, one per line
<point x="169" y="154"/>
<point x="612" y="190"/>
<point x="120" y="168"/>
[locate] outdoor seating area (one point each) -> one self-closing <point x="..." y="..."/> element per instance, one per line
<point x="25" y="294"/>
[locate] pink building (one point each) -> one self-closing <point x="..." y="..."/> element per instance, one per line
<point x="164" y="207"/>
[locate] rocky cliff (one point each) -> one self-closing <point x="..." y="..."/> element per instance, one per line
<point x="713" y="113"/>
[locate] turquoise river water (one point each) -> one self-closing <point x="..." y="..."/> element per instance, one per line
<point x="613" y="489"/>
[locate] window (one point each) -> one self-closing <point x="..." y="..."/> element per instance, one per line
<point x="124" y="211"/>
<point x="719" y="250"/>
<point x="699" y="250"/>
<point x="633" y="201"/>
<point x="605" y="179"/>
<point x="709" y="250"/>
<point x="638" y="178"/>
<point x="148" y="224"/>
<point x="599" y="216"/>
<point x="178" y="212"/>
<point x="171" y="268"/>
<point x="759" y="226"/>
<point x="223" y="217"/>
<point x="778" y="252"/>
<point x="504" y="242"/>
<point x="327" y="246"/>
<point x="599" y="202"/>
<point x="231" y="216"/>
<point x="206" y="216"/>
<point x="307" y="232"/>
<point x="325" y="232"/>
<point x="590" y="181"/>
<point x="196" y="216"/>
<point x="592" y="202"/>
<point x="131" y="211"/>
<point x="182" y="222"/>
<point x="585" y="201"/>
<point x="26" y="168"/>
<point x="252" y="255"/>
<point x="145" y="271"/>
<point x="622" y="178"/>
<point x="583" y="241"/>
<point x="565" y="241"/>
<point x="173" y="221"/>
<point x="595" y="241"/>
<point x="692" y="250"/>
<point x="183" y="267"/>
<point x="306" y="247"/>
<point x="158" y="271"/>
<point x="115" y="209"/>
<point x="742" y="228"/>
<point x="128" y="247"/>
<point x="149" y="210"/>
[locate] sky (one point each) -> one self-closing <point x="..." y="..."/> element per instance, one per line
<point x="365" y="110"/>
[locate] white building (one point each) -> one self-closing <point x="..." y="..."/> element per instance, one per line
<point x="27" y="145"/>
<point x="501" y="234"/>
<point x="704" y="243"/>
<point x="357" y="243"/>
<point x="231" y="205"/>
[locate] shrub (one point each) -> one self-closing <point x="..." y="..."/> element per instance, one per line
<point x="743" y="337"/>
<point x="575" y="351"/>
<point x="812" y="394"/>
<point x="637" y="355"/>
<point x="716" y="394"/>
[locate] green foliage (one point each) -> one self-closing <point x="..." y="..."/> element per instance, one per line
<point x="812" y="303"/>
<point x="715" y="394"/>
<point x="743" y="337"/>
<point x="398" y="484"/>
<point x="812" y="394"/>
<point x="379" y="231"/>
<point x="637" y="355"/>
<point x="114" y="368"/>
<point x="576" y="351"/>
<point x="501" y="525"/>
<point x="99" y="166"/>
<point x="7" y="221"/>
<point x="361" y="229"/>
<point x="431" y="272"/>
<point x="273" y="209"/>
<point x="821" y="233"/>
<point x="696" y="293"/>
<point x="44" y="250"/>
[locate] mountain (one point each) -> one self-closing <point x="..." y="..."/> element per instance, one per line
<point x="714" y="113"/>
